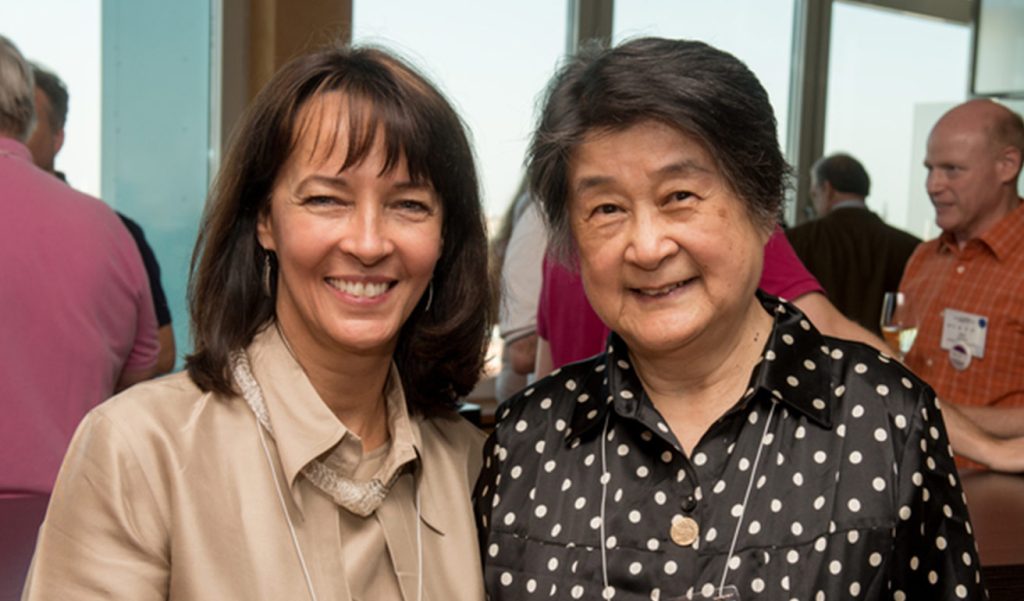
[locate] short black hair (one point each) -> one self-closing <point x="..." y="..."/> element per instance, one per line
<point x="56" y="92"/>
<point x="688" y="85"/>
<point x="842" y="172"/>
<point x="440" y="351"/>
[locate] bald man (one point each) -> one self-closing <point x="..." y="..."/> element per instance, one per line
<point x="965" y="289"/>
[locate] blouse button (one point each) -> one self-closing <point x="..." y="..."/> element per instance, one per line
<point x="684" y="531"/>
<point x="688" y="504"/>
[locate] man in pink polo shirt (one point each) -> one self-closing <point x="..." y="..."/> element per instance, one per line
<point x="78" y="319"/>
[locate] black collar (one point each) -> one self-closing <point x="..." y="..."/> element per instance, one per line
<point x="795" y="349"/>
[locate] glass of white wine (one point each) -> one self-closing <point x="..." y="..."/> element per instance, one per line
<point x="897" y="330"/>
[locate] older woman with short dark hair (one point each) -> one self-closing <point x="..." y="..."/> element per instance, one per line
<point x="721" y="447"/>
<point x="311" y="450"/>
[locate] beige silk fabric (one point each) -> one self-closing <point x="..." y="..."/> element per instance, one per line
<point x="334" y="473"/>
<point x="166" y="494"/>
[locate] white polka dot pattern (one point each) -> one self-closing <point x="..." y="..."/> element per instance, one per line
<point x="855" y="495"/>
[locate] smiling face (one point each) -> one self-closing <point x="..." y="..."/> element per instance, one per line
<point x="971" y="175"/>
<point x="962" y="181"/>
<point x="669" y="255"/>
<point x="356" y="249"/>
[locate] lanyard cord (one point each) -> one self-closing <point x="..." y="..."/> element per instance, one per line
<point x="287" y="516"/>
<point x="746" y="497"/>
<point x="605" y="477"/>
<point x="419" y="546"/>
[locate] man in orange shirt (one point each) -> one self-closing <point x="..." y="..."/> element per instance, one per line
<point x="965" y="289"/>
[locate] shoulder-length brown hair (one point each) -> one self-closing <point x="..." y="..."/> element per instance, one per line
<point x="440" y="351"/>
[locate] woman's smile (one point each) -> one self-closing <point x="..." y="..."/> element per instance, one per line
<point x="664" y="291"/>
<point x="362" y="289"/>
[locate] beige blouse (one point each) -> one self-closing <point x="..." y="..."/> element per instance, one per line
<point x="166" y="493"/>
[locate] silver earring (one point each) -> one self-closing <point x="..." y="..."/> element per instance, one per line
<point x="430" y="295"/>
<point x="266" y="274"/>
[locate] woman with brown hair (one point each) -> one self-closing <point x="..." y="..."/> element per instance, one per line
<point x="311" y="449"/>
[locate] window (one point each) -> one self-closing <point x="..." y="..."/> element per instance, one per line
<point x="64" y="37"/>
<point x="891" y="76"/>
<point x="758" y="32"/>
<point x="1000" y="47"/>
<point x="492" y="61"/>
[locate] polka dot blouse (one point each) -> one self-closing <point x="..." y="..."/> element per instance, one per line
<point x="832" y="478"/>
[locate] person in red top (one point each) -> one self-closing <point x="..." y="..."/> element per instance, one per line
<point x="963" y="289"/>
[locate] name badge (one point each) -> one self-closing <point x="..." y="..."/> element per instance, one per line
<point x="960" y="357"/>
<point x="964" y="333"/>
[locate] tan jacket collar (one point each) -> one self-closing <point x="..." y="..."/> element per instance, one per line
<point x="305" y="428"/>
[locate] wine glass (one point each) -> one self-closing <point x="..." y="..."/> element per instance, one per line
<point x="898" y="330"/>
